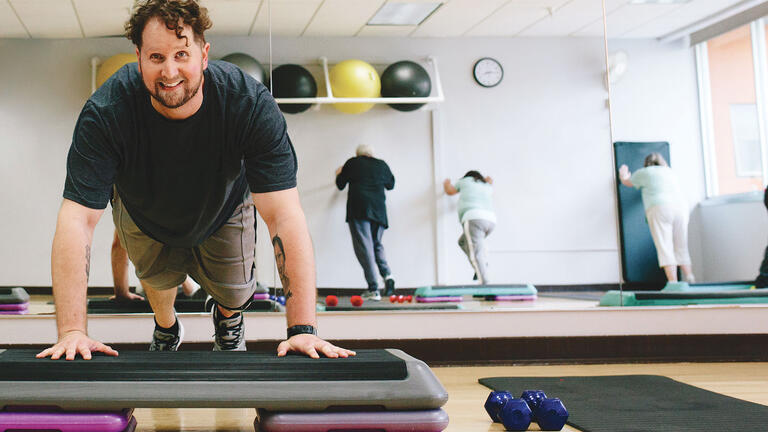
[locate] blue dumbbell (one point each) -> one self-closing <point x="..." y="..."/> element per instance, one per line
<point x="494" y="402"/>
<point x="515" y="415"/>
<point x="533" y="398"/>
<point x="551" y="414"/>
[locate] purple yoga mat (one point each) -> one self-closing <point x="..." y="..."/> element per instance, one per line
<point x="17" y="312"/>
<point x="514" y="297"/>
<point x="388" y="421"/>
<point x="14" y="306"/>
<point x="63" y="421"/>
<point x="439" y="299"/>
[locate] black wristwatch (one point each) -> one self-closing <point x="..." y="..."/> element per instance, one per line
<point x="301" y="329"/>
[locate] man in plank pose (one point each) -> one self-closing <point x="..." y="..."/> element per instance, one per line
<point x="184" y="150"/>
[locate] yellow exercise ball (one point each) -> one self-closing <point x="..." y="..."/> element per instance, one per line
<point x="354" y="79"/>
<point x="111" y="65"/>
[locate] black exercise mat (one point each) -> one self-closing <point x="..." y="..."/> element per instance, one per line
<point x="107" y="306"/>
<point x="639" y="403"/>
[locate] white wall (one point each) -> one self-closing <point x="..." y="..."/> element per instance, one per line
<point x="542" y="134"/>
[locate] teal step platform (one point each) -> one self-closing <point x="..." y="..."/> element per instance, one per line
<point x="475" y="290"/>
<point x="682" y="298"/>
<point x="707" y="287"/>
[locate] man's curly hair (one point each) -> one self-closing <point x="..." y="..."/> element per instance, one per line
<point x="174" y="13"/>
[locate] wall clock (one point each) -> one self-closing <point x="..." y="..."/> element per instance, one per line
<point x="488" y="72"/>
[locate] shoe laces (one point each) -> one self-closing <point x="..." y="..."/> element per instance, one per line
<point x="162" y="341"/>
<point x="229" y="331"/>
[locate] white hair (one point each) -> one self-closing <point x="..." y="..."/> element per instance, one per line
<point x="364" y="150"/>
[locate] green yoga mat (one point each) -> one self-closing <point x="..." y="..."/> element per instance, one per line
<point x="475" y="290"/>
<point x="640" y="403"/>
<point x="707" y="287"/>
<point x="682" y="298"/>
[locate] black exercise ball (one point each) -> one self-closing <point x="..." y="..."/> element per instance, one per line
<point x="293" y="81"/>
<point x="248" y="64"/>
<point x="405" y="79"/>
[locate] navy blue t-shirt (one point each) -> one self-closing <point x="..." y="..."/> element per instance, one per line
<point x="180" y="180"/>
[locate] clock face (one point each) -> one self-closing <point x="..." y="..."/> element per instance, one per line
<point x="488" y="72"/>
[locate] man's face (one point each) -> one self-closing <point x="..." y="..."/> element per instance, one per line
<point x="171" y="67"/>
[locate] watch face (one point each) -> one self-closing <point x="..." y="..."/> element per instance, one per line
<point x="488" y="72"/>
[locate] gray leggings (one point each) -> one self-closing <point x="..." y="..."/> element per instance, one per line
<point x="472" y="242"/>
<point x="366" y="239"/>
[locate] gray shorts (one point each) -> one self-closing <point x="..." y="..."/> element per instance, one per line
<point x="223" y="264"/>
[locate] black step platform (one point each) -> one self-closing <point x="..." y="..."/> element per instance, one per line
<point x="374" y="379"/>
<point x="107" y="306"/>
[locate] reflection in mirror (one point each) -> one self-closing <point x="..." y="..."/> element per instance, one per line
<point x="686" y="90"/>
<point x="529" y="121"/>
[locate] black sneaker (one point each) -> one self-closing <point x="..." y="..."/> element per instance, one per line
<point x="230" y="334"/>
<point x="389" y="287"/>
<point x="165" y="341"/>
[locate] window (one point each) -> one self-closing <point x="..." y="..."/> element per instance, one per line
<point x="746" y="140"/>
<point x="732" y="110"/>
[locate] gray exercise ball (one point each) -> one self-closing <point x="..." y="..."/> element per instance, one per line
<point x="248" y="64"/>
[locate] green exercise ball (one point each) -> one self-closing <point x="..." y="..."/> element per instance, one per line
<point x="405" y="79"/>
<point x="248" y="64"/>
<point x="293" y="81"/>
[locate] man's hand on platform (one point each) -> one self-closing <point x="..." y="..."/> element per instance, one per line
<point x="311" y="346"/>
<point x="76" y="342"/>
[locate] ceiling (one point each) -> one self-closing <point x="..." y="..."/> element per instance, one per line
<point x="347" y="18"/>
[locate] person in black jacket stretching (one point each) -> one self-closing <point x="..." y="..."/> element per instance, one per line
<point x="367" y="215"/>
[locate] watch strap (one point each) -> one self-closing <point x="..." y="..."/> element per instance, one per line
<point x="301" y="329"/>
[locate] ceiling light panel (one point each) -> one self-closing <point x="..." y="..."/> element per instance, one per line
<point x="403" y="14"/>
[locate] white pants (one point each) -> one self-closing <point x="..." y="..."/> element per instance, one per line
<point x="669" y="229"/>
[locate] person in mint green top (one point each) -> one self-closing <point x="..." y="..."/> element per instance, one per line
<point x="476" y="216"/>
<point x="666" y="211"/>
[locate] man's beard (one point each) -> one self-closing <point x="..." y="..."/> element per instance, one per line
<point x="175" y="98"/>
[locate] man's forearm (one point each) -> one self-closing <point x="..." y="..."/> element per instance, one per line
<point x="296" y="266"/>
<point x="70" y="268"/>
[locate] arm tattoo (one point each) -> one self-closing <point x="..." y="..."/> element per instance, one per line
<point x="87" y="262"/>
<point x="277" y="243"/>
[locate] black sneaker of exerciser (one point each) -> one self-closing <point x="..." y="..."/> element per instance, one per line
<point x="230" y="333"/>
<point x="165" y="340"/>
<point x="389" y="286"/>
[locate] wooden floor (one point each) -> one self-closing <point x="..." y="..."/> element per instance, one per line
<point x="748" y="381"/>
